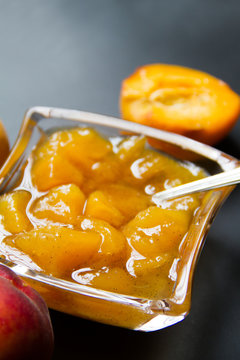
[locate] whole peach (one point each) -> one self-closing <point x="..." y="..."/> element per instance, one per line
<point x="4" y="144"/>
<point x="25" y="325"/>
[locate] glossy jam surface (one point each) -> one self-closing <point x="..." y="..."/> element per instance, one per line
<point x="83" y="212"/>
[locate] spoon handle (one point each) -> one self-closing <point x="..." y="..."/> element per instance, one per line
<point x="226" y="178"/>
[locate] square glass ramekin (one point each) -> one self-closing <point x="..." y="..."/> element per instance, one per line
<point x="111" y="308"/>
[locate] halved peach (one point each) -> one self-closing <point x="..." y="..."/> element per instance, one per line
<point x="181" y="100"/>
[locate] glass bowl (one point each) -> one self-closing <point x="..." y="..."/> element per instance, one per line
<point x="103" y="306"/>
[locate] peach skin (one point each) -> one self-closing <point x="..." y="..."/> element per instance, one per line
<point x="25" y="325"/>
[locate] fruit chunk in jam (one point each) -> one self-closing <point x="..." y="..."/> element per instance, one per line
<point x="156" y="231"/>
<point x="86" y="214"/>
<point x="65" y="156"/>
<point x="100" y="207"/>
<point x="56" y="249"/>
<point x="63" y="204"/>
<point x="13" y="217"/>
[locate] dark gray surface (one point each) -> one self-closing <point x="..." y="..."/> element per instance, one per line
<point x="74" y="54"/>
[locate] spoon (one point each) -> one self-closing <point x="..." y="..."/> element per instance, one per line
<point x="225" y="178"/>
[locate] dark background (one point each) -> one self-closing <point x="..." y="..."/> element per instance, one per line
<point x="75" y="54"/>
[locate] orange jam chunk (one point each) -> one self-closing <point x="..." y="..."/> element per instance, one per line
<point x="128" y="200"/>
<point x="99" y="207"/>
<point x="145" y="265"/>
<point x="110" y="279"/>
<point x="156" y="231"/>
<point x="86" y="213"/>
<point x="156" y="167"/>
<point x="53" y="170"/>
<point x="104" y="172"/>
<point x="57" y="250"/>
<point x="63" y="204"/>
<point x="13" y="215"/>
<point x="188" y="203"/>
<point x="131" y="148"/>
<point x="65" y="155"/>
<point x="147" y="166"/>
<point x="82" y="146"/>
<point x="113" y="243"/>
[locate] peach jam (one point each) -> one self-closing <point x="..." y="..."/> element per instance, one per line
<point x="82" y="211"/>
